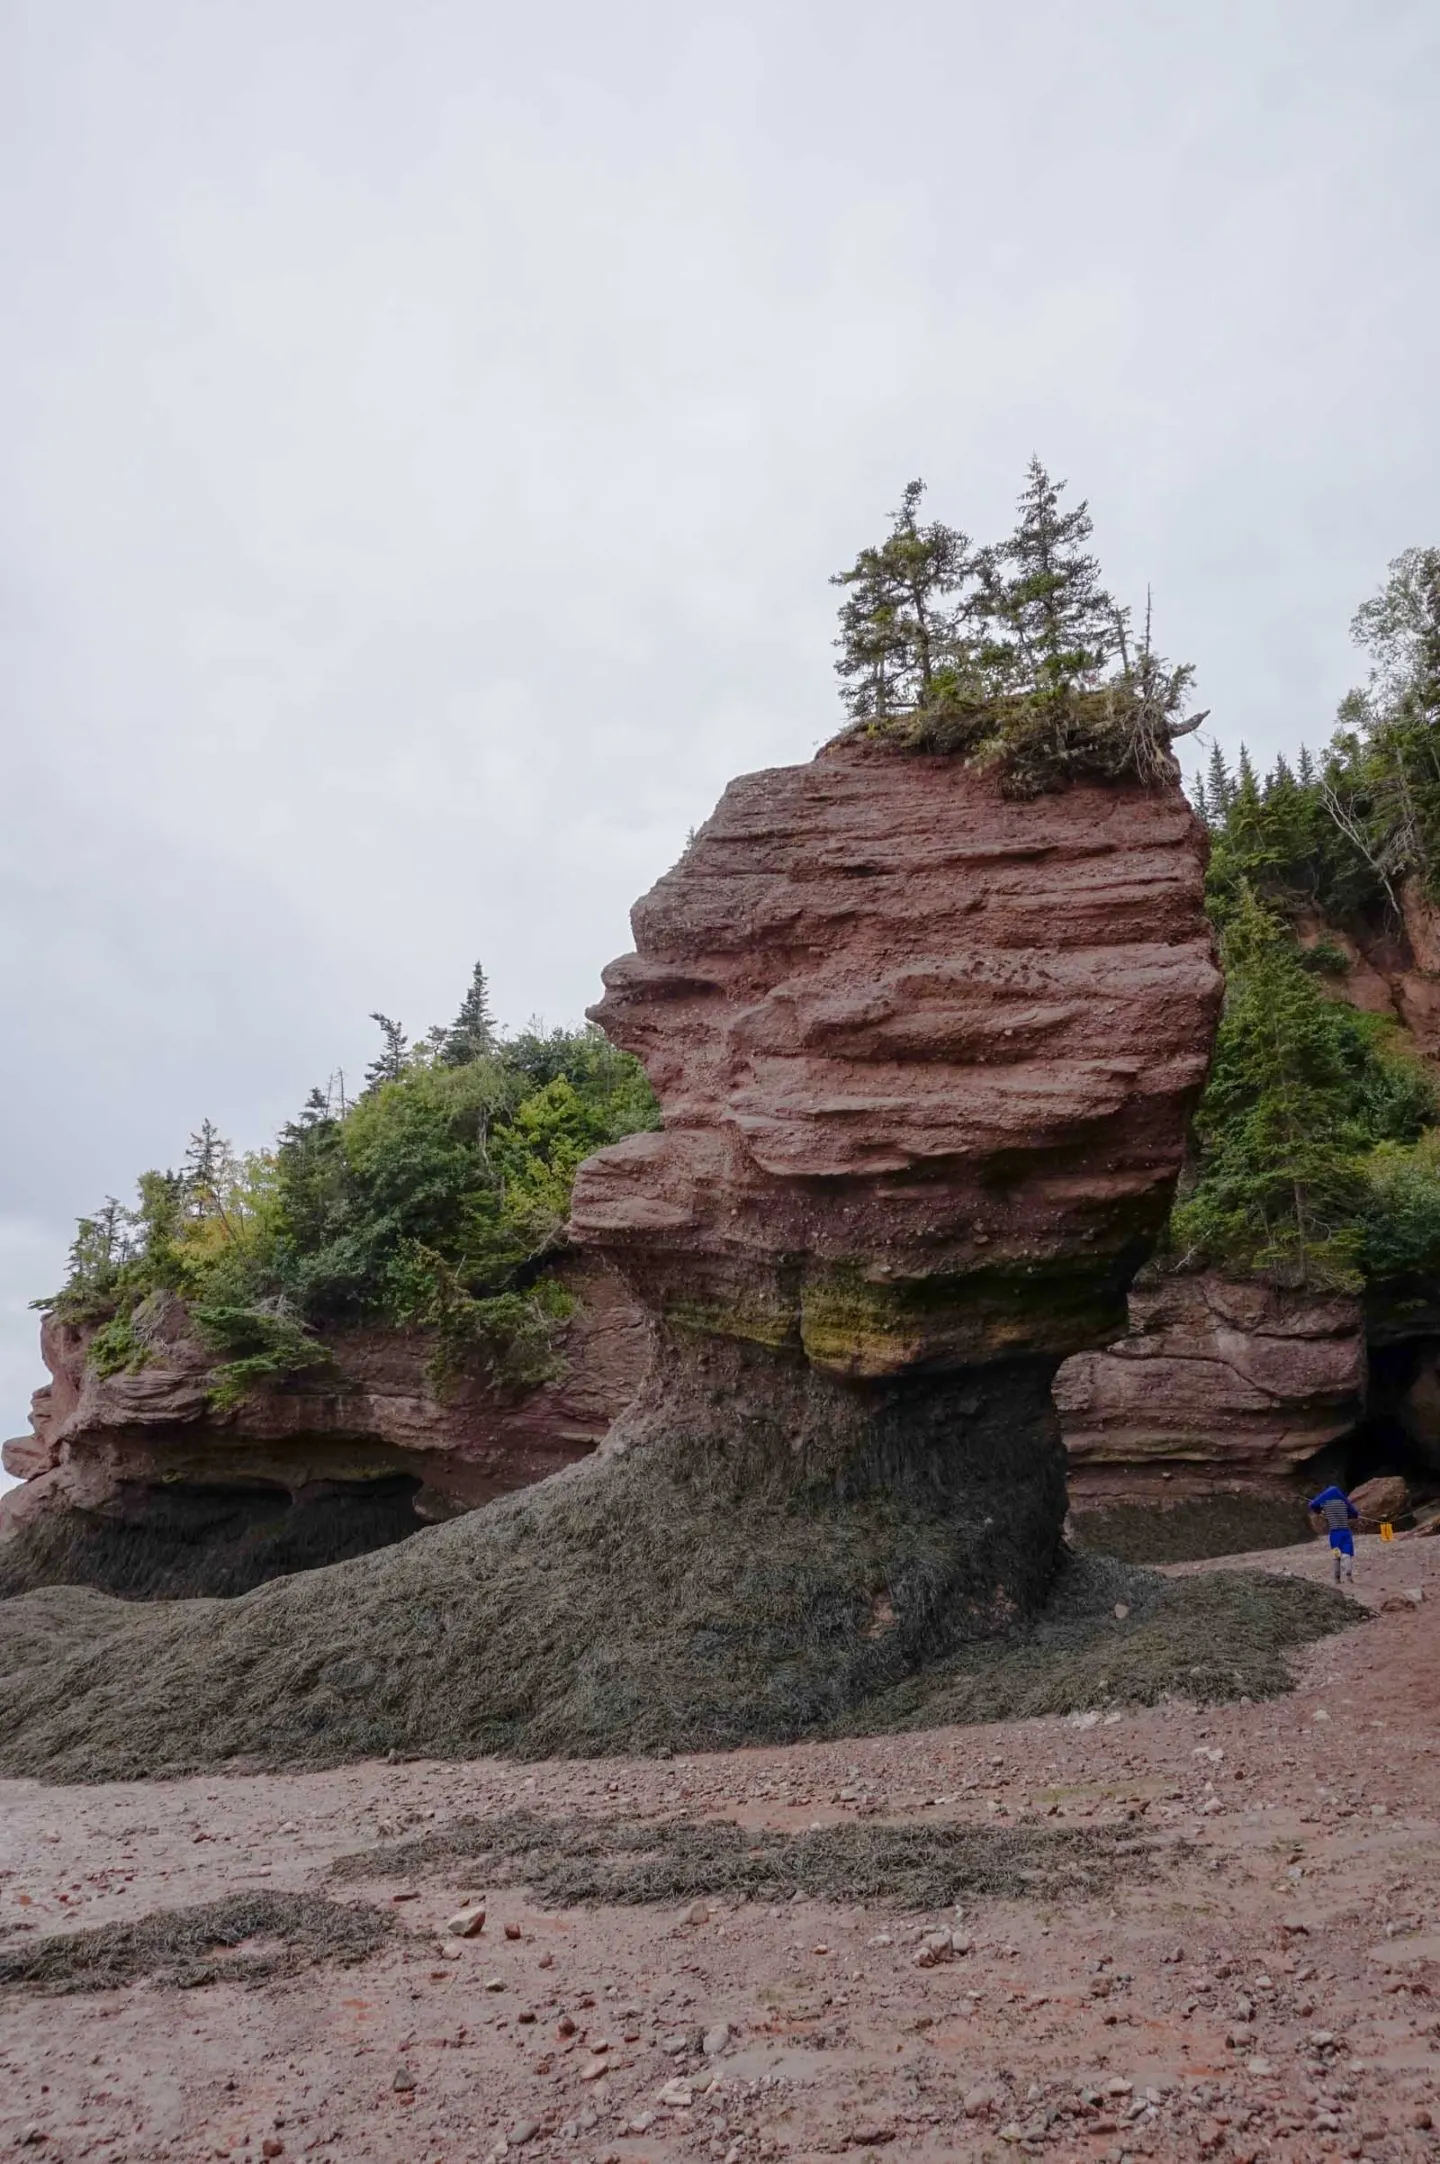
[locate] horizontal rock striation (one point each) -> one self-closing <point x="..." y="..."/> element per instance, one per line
<point x="927" y="1059"/>
<point x="1218" y="1386"/>
<point x="134" y="1483"/>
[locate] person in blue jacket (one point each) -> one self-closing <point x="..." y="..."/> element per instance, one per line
<point x="1339" y="1514"/>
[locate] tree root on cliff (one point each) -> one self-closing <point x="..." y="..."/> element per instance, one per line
<point x="626" y="1606"/>
<point x="245" y="1938"/>
<point x="611" y="1861"/>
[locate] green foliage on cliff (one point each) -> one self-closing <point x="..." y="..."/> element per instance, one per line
<point x="1342" y="834"/>
<point x="1012" y="655"/>
<point x="1302" y="1090"/>
<point x="435" y="1200"/>
<point x="1316" y="1155"/>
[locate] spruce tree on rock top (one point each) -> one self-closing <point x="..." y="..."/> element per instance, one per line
<point x="472" y="1034"/>
<point x="1051" y="625"/>
<point x="899" y="622"/>
<point x="1013" y="657"/>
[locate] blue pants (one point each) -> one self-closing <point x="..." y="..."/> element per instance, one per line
<point x="1342" y="1538"/>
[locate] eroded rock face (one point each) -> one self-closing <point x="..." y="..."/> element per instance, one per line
<point x="1389" y="970"/>
<point x="926" y="1060"/>
<point x="137" y="1485"/>
<point x="1218" y="1386"/>
<point x="1225" y="1388"/>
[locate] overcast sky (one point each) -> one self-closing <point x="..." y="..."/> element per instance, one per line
<point x="429" y="428"/>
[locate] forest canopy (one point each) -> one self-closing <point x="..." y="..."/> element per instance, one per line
<point x="435" y="1200"/>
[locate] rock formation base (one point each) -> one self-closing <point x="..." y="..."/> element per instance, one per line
<point x="658" y="1597"/>
<point x="650" y="1601"/>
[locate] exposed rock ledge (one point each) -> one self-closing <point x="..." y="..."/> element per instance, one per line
<point x="1218" y="1387"/>
<point x="132" y="1481"/>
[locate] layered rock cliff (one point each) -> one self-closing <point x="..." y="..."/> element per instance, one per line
<point x="927" y="1060"/>
<point x="134" y="1483"/>
<point x="1223" y="1389"/>
<point x="1217" y="1386"/>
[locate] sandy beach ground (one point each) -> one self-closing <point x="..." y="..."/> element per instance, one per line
<point x="1263" y="1984"/>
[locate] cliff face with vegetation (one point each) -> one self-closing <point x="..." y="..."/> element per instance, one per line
<point x="279" y="1359"/>
<point x="927" y="1018"/>
<point x="1293" y="1311"/>
<point x="133" y="1482"/>
<point x="1232" y="1384"/>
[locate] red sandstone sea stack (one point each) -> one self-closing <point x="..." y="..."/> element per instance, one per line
<point x="927" y="1058"/>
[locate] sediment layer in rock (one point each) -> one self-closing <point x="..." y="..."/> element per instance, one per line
<point x="926" y="1059"/>
<point x="133" y="1483"/>
<point x="1217" y="1387"/>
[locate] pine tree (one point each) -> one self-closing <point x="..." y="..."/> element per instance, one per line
<point x="472" y="1034"/>
<point x="315" y="1112"/>
<point x="389" y="1066"/>
<point x="1278" y="1187"/>
<point x="204" y="1173"/>
<point x="899" y="622"/>
<point x="1219" y="787"/>
<point x="1044" y="591"/>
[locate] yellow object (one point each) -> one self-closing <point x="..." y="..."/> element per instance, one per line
<point x="1387" y="1530"/>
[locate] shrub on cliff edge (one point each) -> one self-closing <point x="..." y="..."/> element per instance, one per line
<point x="1012" y="656"/>
<point x="433" y="1201"/>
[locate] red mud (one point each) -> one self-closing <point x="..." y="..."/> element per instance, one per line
<point x="1304" y="1923"/>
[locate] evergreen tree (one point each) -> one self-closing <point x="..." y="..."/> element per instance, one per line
<point x="315" y="1109"/>
<point x="472" y="1034"/>
<point x="1219" y="788"/>
<point x="1043" y="592"/>
<point x="1280" y="1128"/>
<point x="205" y="1173"/>
<point x="98" y="1251"/>
<point x="899" y="621"/>
<point x="389" y="1065"/>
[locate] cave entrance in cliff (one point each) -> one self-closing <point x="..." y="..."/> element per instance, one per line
<point x="177" y="1540"/>
<point x="1378" y="1448"/>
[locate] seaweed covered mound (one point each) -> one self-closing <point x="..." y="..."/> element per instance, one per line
<point x="628" y="1605"/>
